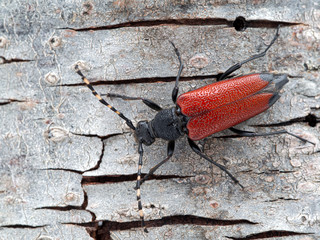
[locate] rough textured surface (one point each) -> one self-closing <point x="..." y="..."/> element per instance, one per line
<point x="68" y="164"/>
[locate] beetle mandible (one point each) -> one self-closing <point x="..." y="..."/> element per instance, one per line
<point x="203" y="112"/>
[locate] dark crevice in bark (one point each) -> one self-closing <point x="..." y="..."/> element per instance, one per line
<point x="13" y="60"/>
<point x="62" y="169"/>
<point x="62" y="208"/>
<point x="97" y="136"/>
<point x="282" y="199"/>
<point x="5" y="103"/>
<point x="189" y="22"/>
<point x="83" y="206"/>
<point x="104" y="228"/>
<point x="68" y="207"/>
<point x="147" y="80"/>
<point x="269" y="234"/>
<point x="10" y="100"/>
<point x="107" y="179"/>
<point x="99" y="161"/>
<point x="100" y="158"/>
<point x="96" y="82"/>
<point x="143" y="80"/>
<point x="22" y="226"/>
<point x="269" y="172"/>
<point x="275" y="171"/>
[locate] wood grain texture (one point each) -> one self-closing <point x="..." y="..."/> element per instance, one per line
<point x="68" y="164"/>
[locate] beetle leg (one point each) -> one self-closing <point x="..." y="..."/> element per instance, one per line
<point x="254" y="134"/>
<point x="197" y="150"/>
<point x="153" y="169"/>
<point x="259" y="55"/>
<point x="146" y="101"/>
<point x="140" y="151"/>
<point x="176" y="86"/>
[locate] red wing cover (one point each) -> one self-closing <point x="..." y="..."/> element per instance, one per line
<point x="221" y="105"/>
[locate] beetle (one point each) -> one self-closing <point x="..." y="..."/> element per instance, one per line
<point x="203" y="112"/>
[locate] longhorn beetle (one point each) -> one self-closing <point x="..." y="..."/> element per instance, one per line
<point x="203" y="112"/>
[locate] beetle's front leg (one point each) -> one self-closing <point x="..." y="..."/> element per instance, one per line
<point x="153" y="169"/>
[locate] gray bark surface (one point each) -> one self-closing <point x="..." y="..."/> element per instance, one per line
<point x="68" y="164"/>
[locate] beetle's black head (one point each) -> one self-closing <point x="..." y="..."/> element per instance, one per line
<point x="144" y="133"/>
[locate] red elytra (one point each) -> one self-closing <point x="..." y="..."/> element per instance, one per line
<point x="223" y="104"/>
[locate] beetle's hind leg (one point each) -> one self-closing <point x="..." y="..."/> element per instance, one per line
<point x="148" y="102"/>
<point x="243" y="133"/>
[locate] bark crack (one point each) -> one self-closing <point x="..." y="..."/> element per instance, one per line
<point x="98" y="136"/>
<point x="83" y="206"/>
<point x="187" y="22"/>
<point x="22" y="226"/>
<point x="105" y="228"/>
<point x="107" y="179"/>
<point x="143" y="80"/>
<point x="269" y="234"/>
<point x="10" y="100"/>
<point x="13" y="60"/>
<point x="283" y="199"/>
<point x="100" y="159"/>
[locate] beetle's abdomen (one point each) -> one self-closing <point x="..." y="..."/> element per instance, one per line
<point x="221" y="105"/>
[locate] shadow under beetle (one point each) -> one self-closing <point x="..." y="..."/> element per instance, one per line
<point x="203" y="112"/>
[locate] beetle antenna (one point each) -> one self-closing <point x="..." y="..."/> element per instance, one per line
<point x="176" y="86"/>
<point x="97" y="95"/>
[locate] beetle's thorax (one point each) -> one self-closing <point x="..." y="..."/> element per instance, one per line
<point x="168" y="124"/>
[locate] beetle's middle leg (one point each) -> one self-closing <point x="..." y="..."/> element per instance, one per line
<point x="259" y="55"/>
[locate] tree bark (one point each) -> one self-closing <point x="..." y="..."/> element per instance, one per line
<point x="68" y="164"/>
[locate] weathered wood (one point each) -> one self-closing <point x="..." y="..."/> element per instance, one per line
<point x="68" y="164"/>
